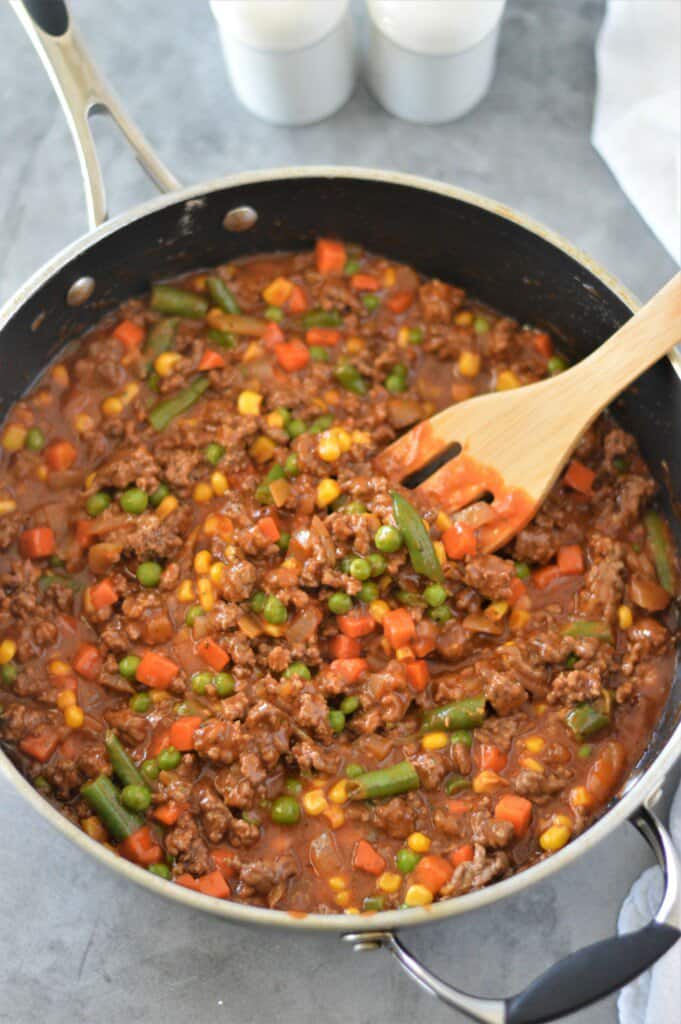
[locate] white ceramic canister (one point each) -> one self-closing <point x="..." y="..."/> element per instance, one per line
<point x="291" y="62"/>
<point x="432" y="60"/>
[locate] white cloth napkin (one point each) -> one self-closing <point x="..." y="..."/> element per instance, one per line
<point x="637" y="115"/>
<point x="654" y="997"/>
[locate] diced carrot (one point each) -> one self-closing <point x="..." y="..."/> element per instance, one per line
<point x="543" y="577"/>
<point x="38" y="542"/>
<point x="330" y="256"/>
<point x="83" y="533"/>
<point x="292" y="355"/>
<point x="459" y="540"/>
<point x="297" y="302"/>
<point x="399" y="302"/>
<point x="462" y="854"/>
<point x="156" y="670"/>
<point x="188" y="881"/>
<point x="518" y="589"/>
<point x="322" y="336"/>
<point x="365" y="283"/>
<point x="213" y="655"/>
<point x="182" y="732"/>
<point x="342" y="647"/>
<point x="159" y="741"/>
<point x="366" y="858"/>
<point x="87" y="662"/>
<point x="418" y="675"/>
<point x="141" y="847"/>
<point x="168" y="813"/>
<point x="211" y="360"/>
<point x="570" y="559"/>
<point x="273" y="335"/>
<point x="130" y="334"/>
<point x="277" y="291"/>
<point x="492" y="758"/>
<point x="60" y="455"/>
<point x="224" y="860"/>
<point x="349" y="668"/>
<point x="579" y="477"/>
<point x="433" y="872"/>
<point x="214" y="884"/>
<point x="356" y="624"/>
<point x="457" y="806"/>
<point x="103" y="594"/>
<point x="398" y="627"/>
<point x="542" y="343"/>
<point x="42" y="746"/>
<point x="517" y="810"/>
<point x="270" y="527"/>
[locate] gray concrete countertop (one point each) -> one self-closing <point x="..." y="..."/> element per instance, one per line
<point x="86" y="946"/>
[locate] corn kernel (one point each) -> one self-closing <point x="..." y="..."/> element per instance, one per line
<point x="328" y="447"/>
<point x="248" y="403"/>
<point x="404" y="654"/>
<point x="202" y="561"/>
<point x="93" y="827"/>
<point x="487" y="781"/>
<point x="253" y="351"/>
<point x="112" y="406"/>
<point x="464" y="318"/>
<point x="74" y="717"/>
<point x="185" y="592"/>
<point x="262" y="449"/>
<point x="418" y="896"/>
<point x="277" y="291"/>
<point x="435" y="741"/>
<point x="378" y="610"/>
<point x="342" y="898"/>
<point x="13" y="437"/>
<point x="218" y="482"/>
<point x="272" y="629"/>
<point x="249" y="626"/>
<point x="469" y="364"/>
<point x="59" y="668"/>
<point x="314" y="802"/>
<point x="327" y="491"/>
<point x="217" y="573"/>
<point x="8" y="649"/>
<point x="389" y="881"/>
<point x="624" y="616"/>
<point x="166" y="362"/>
<point x="580" y="797"/>
<point x="562" y="819"/>
<point x="335" y="815"/>
<point x="351" y="910"/>
<point x="389" y="277"/>
<point x="331" y="396"/>
<point x="60" y="375"/>
<point x="130" y="391"/>
<point x="418" y="842"/>
<point x="554" y="838"/>
<point x="160" y="696"/>
<point x="168" y="505"/>
<point x="274" y="419"/>
<point x="354" y="345"/>
<point x="442" y="521"/>
<point x="83" y="422"/>
<point x="360" y="437"/>
<point x="507" y="380"/>
<point x="532" y="765"/>
<point x="440" y="552"/>
<point x="338" y="794"/>
<point x="7" y="505"/>
<point x="535" y="744"/>
<point x="337" y="883"/>
<point x="203" y="493"/>
<point x="519" y="618"/>
<point x="496" y="610"/>
<point x="346" y="439"/>
<point x="66" y="699"/>
<point x="204" y="589"/>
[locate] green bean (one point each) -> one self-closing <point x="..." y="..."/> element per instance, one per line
<point x="178" y="302"/>
<point x="52" y="579"/>
<point x="659" y="544"/>
<point x="224" y="338"/>
<point x="585" y="628"/>
<point x="322" y="318"/>
<point x="468" y="713"/>
<point x="222" y="296"/>
<point x="124" y="767"/>
<point x="586" y="720"/>
<point x="165" y="411"/>
<point x="104" y="799"/>
<point x="351" y="379"/>
<point x="416" y="537"/>
<point x="399" y="778"/>
<point x="161" y="337"/>
<point x="455" y="783"/>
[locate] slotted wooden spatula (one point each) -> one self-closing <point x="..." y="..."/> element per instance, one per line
<point x="513" y="444"/>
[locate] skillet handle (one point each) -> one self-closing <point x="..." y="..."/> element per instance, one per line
<point x="83" y="91"/>
<point x="582" y="977"/>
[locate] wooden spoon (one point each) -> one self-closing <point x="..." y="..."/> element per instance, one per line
<point x="513" y="444"/>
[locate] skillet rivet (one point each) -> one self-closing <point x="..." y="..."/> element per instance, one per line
<point x="241" y="218"/>
<point x="80" y="291"/>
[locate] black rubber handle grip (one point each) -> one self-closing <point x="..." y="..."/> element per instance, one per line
<point x="590" y="974"/>
<point x="51" y="16"/>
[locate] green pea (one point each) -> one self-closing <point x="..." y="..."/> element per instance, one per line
<point x="480" y="325"/>
<point x="370" y="903"/>
<point x="263" y="495"/>
<point x="349" y="377"/>
<point x="157" y="496"/>
<point x="351" y="267"/>
<point x="135" y="798"/>
<point x="9" y="673"/>
<point x="274" y="313"/>
<point x="349" y="705"/>
<point x="388" y="539"/>
<point x="134" y="501"/>
<point x="441" y="614"/>
<point x="96" y="503"/>
<point x="224" y="684"/>
<point x="35" y="439"/>
<point x="40" y="782"/>
<point x="149" y="574"/>
<point x="319" y="354"/>
<point x="369" y="592"/>
<point x="285" y="811"/>
<point x="284" y="540"/>
<point x="585" y="750"/>
<point x="522" y="570"/>
<point x="340" y="603"/>
<point x="56" y="562"/>
<point x="297" y="668"/>
<point x="571" y="660"/>
<point x="620" y="464"/>
<point x="360" y="568"/>
<point x="320" y="424"/>
<point x="275" y="473"/>
<point x="371" y="302"/>
<point x="435" y="595"/>
<point x="378" y="563"/>
<point x="293" y="786"/>
<point x="400" y="370"/>
<point x="415" y="336"/>
<point x="193" y="613"/>
<point x="161" y="871"/>
<point x="395" y="385"/>
<point x="258" y="601"/>
<point x="336" y="720"/>
<point x="274" y="611"/>
<point x="295" y="427"/>
<point x="355" y="508"/>
<point x="127" y="666"/>
<point x="353" y="770"/>
<point x="406" y="860"/>
<point x="150" y="769"/>
<point x="461" y="736"/>
<point x="200" y="680"/>
<point x="213" y="452"/>
<point x="345" y="563"/>
<point x="555" y="365"/>
<point x="291" y="467"/>
<point x="140" y="703"/>
<point x="169" y="759"/>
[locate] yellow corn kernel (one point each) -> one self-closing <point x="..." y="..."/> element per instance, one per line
<point x="378" y="610"/>
<point x="130" y="391"/>
<point x="507" y="380"/>
<point x="262" y="449"/>
<point x="554" y="838"/>
<point x="389" y="277"/>
<point x="496" y="610"/>
<point x="338" y="794"/>
<point x="8" y="649"/>
<point x="347" y="439"/>
<point x="218" y="482"/>
<point x="274" y="419"/>
<point x="204" y="589"/>
<point x="74" y="716"/>
<point x="338" y="883"/>
<point x="404" y="654"/>
<point x="469" y="364"/>
<point x="389" y="881"/>
<point x="418" y="842"/>
<point x="93" y="827"/>
<point x="624" y="616"/>
<point x="249" y="626"/>
<point x="562" y="819"/>
<point x="330" y="397"/>
<point x="580" y="797"/>
<point x="403" y="337"/>
<point x="60" y="375"/>
<point x="328" y="447"/>
<point x="42" y="398"/>
<point x="185" y="592"/>
<point x="442" y="521"/>
<point x="66" y="699"/>
<point x="59" y="668"/>
<point x="519" y="618"/>
<point x="342" y="898"/>
<point x="253" y="351"/>
<point x="203" y="493"/>
<point x="166" y="362"/>
<point x="352" y="910"/>
<point x="314" y="802"/>
<point x="435" y="741"/>
<point x="83" y="422"/>
<point x="272" y="629"/>
<point x="7" y="505"/>
<point x="440" y="552"/>
<point x="42" y="472"/>
<point x="535" y="744"/>
<point x="160" y="696"/>
<point x="464" y="318"/>
<point x="13" y="437"/>
<point x="354" y="345"/>
<point x="217" y="573"/>
<point x="202" y="561"/>
<point x="532" y="765"/>
<point x="168" y="505"/>
<point x="487" y="781"/>
<point x="335" y="815"/>
<point x="112" y="406"/>
<point x="418" y="896"/>
<point x="360" y="437"/>
<point x="277" y="291"/>
<point x="328" y="490"/>
<point x="248" y="403"/>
